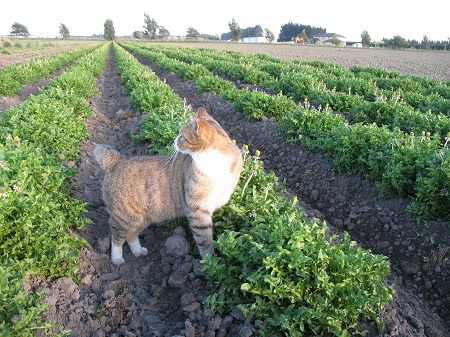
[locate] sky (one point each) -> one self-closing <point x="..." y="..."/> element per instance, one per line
<point x="381" y="18"/>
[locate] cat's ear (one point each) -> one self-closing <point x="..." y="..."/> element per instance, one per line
<point x="199" y="124"/>
<point x="201" y="113"/>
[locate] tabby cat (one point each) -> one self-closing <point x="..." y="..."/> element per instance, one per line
<point x="194" y="182"/>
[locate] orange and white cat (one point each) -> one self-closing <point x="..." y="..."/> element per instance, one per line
<point x="145" y="190"/>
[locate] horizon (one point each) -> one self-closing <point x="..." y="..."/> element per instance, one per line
<point x="383" y="20"/>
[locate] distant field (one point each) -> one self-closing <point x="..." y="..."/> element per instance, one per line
<point x="422" y="63"/>
<point x="18" y="50"/>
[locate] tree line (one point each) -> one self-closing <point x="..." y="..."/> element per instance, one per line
<point x="290" y="31"/>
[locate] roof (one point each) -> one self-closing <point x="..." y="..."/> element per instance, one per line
<point x="329" y="35"/>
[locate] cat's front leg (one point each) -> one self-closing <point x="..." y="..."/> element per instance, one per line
<point x="202" y="230"/>
<point x="136" y="247"/>
<point x="116" y="253"/>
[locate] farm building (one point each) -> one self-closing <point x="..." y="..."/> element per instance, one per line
<point x="325" y="38"/>
<point x="254" y="39"/>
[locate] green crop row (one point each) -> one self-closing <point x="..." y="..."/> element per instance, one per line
<point x="13" y="76"/>
<point x="327" y="83"/>
<point x="413" y="164"/>
<point x="254" y="104"/>
<point x="357" y="92"/>
<point x="148" y="93"/>
<point x="39" y="140"/>
<point x="279" y="267"/>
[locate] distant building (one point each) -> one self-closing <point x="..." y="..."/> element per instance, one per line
<point x="326" y="38"/>
<point x="255" y="39"/>
<point x="355" y="44"/>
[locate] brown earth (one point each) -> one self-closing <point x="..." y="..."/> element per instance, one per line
<point x="161" y="294"/>
<point x="25" y="54"/>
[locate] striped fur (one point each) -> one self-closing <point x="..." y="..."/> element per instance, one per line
<point x="195" y="182"/>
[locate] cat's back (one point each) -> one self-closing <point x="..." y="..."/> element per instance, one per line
<point x="136" y="170"/>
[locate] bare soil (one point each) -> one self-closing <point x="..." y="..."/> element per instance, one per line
<point x="161" y="294"/>
<point x="24" y="54"/>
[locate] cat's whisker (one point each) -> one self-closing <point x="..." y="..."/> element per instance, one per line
<point x="172" y="157"/>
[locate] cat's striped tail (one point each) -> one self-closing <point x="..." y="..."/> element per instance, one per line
<point x="106" y="156"/>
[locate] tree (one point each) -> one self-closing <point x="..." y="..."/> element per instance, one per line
<point x="235" y="30"/>
<point x="304" y="36"/>
<point x="269" y="35"/>
<point x="109" y="31"/>
<point x="256" y="31"/>
<point x="18" y="29"/>
<point x="150" y="27"/>
<point x="225" y="36"/>
<point x="290" y="30"/>
<point x="138" y="35"/>
<point x="192" y="33"/>
<point x="365" y="39"/>
<point x="426" y="43"/>
<point x="336" y="41"/>
<point x="398" y="42"/>
<point x="259" y="32"/>
<point x="163" y="32"/>
<point x="209" y="37"/>
<point x="64" y="31"/>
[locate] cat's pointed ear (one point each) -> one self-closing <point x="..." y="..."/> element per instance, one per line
<point x="199" y="124"/>
<point x="201" y="113"/>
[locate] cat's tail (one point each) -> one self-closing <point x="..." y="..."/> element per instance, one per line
<point x="106" y="156"/>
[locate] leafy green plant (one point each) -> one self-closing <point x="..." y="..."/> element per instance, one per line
<point x="54" y="125"/>
<point x="298" y="86"/>
<point x="166" y="110"/>
<point x="338" y="101"/>
<point x="21" y="314"/>
<point x="432" y="191"/>
<point x="80" y="81"/>
<point x="213" y="83"/>
<point x="293" y="278"/>
<point x="150" y="95"/>
<point x="158" y="132"/>
<point x="37" y="209"/>
<point x="13" y="76"/>
<point x="309" y="125"/>
<point x="192" y="71"/>
<point x="256" y="104"/>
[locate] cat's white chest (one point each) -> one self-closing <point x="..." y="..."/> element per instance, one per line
<point x="214" y="164"/>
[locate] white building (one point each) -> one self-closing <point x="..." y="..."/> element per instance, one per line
<point x="255" y="39"/>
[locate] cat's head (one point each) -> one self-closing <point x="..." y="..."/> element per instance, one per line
<point x="200" y="134"/>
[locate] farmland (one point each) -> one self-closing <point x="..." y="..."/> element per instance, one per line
<point x="20" y="50"/>
<point x="151" y="298"/>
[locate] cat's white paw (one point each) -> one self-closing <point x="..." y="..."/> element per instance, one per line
<point x="118" y="261"/>
<point x="139" y="252"/>
<point x="137" y="249"/>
